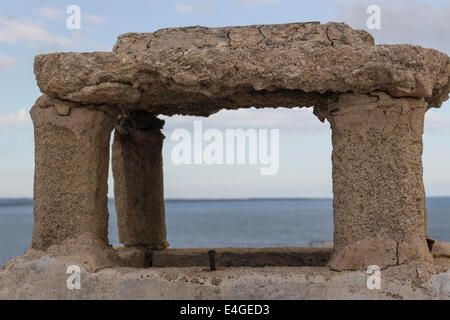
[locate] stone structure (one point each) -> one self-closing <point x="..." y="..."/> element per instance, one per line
<point x="46" y="278"/>
<point x="138" y="178"/>
<point x="374" y="97"/>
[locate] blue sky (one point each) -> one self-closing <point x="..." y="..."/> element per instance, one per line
<point x="28" y="28"/>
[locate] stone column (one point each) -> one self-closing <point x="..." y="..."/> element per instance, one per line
<point x="379" y="197"/>
<point x="71" y="172"/>
<point x="138" y="181"/>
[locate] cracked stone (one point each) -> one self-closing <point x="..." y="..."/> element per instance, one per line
<point x="199" y="70"/>
<point x="62" y="109"/>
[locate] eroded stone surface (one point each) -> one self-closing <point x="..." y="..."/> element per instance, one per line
<point x="441" y="250"/>
<point x="243" y="257"/>
<point x="198" y="70"/>
<point x="45" y="278"/>
<point x="87" y="251"/>
<point x="138" y="182"/>
<point x="71" y="172"/>
<point x="379" y="197"/>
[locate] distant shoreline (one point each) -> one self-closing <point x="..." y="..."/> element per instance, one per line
<point x="5" y="202"/>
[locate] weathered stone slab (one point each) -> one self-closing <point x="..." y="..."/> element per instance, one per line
<point x="141" y="256"/>
<point x="46" y="278"/>
<point x="198" y="70"/>
<point x="243" y="257"/>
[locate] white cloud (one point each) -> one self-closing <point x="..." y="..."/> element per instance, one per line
<point x="281" y="118"/>
<point x="7" y="62"/>
<point x="49" y="13"/>
<point x="34" y="34"/>
<point x="402" y="21"/>
<point x="285" y="119"/>
<point x="256" y="2"/>
<point x="56" y="13"/>
<point x="184" y="8"/>
<point x="19" y="119"/>
<point x="92" y="18"/>
<point x="436" y="119"/>
<point x="197" y="6"/>
<point x="13" y="30"/>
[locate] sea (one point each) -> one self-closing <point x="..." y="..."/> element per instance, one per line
<point x="221" y="223"/>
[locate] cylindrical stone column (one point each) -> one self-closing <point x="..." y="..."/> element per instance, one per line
<point x="138" y="181"/>
<point x="71" y="172"/>
<point x="379" y="197"/>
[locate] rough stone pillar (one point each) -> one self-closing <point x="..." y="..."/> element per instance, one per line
<point x="71" y="172"/>
<point x="138" y="181"/>
<point x="379" y="197"/>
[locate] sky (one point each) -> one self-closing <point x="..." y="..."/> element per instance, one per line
<point x="28" y="28"/>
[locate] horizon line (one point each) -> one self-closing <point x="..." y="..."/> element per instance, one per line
<point x="225" y="199"/>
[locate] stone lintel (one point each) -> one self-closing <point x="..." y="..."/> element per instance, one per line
<point x="199" y="71"/>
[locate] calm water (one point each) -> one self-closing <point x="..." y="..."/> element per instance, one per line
<point x="221" y="223"/>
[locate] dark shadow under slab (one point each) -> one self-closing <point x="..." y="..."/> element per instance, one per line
<point x="228" y="257"/>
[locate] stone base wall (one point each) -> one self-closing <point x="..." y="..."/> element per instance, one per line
<point x="46" y="278"/>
